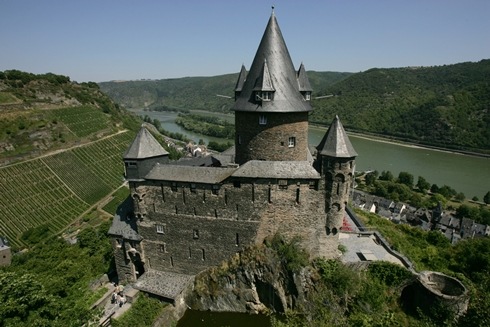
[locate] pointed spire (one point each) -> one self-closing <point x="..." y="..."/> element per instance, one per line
<point x="272" y="55"/>
<point x="264" y="81"/>
<point x="303" y="82"/>
<point x="336" y="143"/>
<point x="241" y="79"/>
<point x="144" y="146"/>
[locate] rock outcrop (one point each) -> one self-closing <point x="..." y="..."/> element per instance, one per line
<point x="253" y="281"/>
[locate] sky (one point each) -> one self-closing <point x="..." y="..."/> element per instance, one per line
<point x="102" y="40"/>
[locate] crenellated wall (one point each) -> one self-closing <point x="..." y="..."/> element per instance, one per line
<point x="188" y="227"/>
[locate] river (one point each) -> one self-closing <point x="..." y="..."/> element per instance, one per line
<point x="464" y="173"/>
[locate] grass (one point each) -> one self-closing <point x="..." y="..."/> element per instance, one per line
<point x="118" y="197"/>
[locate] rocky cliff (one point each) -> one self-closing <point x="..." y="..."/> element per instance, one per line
<point x="255" y="280"/>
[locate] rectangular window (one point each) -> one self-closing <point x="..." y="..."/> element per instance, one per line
<point x="174" y="187"/>
<point x="193" y="188"/>
<point x="237" y="184"/>
<point x="283" y="184"/>
<point x="195" y="234"/>
<point x="163" y="248"/>
<point x="266" y="96"/>
<point x="215" y="189"/>
<point x="132" y="163"/>
<point x="312" y="185"/>
<point x="307" y="96"/>
<point x="239" y="139"/>
<point x="262" y="120"/>
<point x="161" y="229"/>
<point x="292" y="142"/>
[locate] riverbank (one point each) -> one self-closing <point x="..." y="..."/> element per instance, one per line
<point x="395" y="141"/>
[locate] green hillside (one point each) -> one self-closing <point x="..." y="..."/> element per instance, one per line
<point x="55" y="190"/>
<point x="60" y="150"/>
<point x="446" y="106"/>
<point x="191" y="92"/>
<point x="42" y="113"/>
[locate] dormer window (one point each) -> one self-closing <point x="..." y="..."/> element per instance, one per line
<point x="262" y="120"/>
<point x="263" y="96"/>
<point x="307" y="96"/>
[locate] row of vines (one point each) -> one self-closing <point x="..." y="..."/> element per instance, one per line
<point x="56" y="189"/>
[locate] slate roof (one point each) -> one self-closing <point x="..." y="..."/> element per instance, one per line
<point x="277" y="169"/>
<point x="144" y="146"/>
<point x="304" y="83"/>
<point x="272" y="61"/>
<point x="241" y="79"/>
<point x="336" y="143"/>
<point x="207" y="161"/>
<point x="123" y="227"/>
<point x="166" y="284"/>
<point x="191" y="174"/>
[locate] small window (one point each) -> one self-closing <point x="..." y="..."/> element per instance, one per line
<point x="283" y="184"/>
<point x="292" y="142"/>
<point x="163" y="248"/>
<point x="263" y="96"/>
<point x="132" y="163"/>
<point x="312" y="185"/>
<point x="215" y="189"/>
<point x="195" y="234"/>
<point x="193" y="188"/>
<point x="307" y="96"/>
<point x="160" y="229"/>
<point x="118" y="243"/>
<point x="262" y="120"/>
<point x="239" y="139"/>
<point x="237" y="184"/>
<point x="174" y="187"/>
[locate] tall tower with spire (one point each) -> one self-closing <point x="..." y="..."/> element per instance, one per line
<point x="272" y="102"/>
<point x="336" y="165"/>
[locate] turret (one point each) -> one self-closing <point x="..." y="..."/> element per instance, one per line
<point x="142" y="155"/>
<point x="272" y="104"/>
<point x="336" y="165"/>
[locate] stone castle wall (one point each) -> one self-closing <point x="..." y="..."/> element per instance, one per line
<point x="189" y="227"/>
<point x="270" y="141"/>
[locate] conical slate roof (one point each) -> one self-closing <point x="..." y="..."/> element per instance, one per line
<point x="336" y="143"/>
<point x="304" y="83"/>
<point x="241" y="79"/>
<point x="273" y="56"/>
<point x="144" y="146"/>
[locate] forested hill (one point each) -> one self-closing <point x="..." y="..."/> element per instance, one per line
<point x="447" y="106"/>
<point x="191" y="92"/>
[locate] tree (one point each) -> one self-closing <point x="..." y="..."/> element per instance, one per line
<point x="422" y="184"/>
<point x="370" y="179"/>
<point x="386" y="175"/>
<point x="405" y="178"/>
<point x="486" y="198"/>
<point x="460" y="197"/>
<point x="434" y="188"/>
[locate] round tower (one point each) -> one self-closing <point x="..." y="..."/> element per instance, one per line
<point x="336" y="164"/>
<point x="272" y="102"/>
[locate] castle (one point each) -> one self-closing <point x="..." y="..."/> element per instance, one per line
<point x="185" y="216"/>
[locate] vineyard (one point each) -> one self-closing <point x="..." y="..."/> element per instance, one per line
<point x="82" y="121"/>
<point x="57" y="189"/>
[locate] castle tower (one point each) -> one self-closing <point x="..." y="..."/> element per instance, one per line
<point x="142" y="155"/>
<point x="336" y="165"/>
<point x="272" y="104"/>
